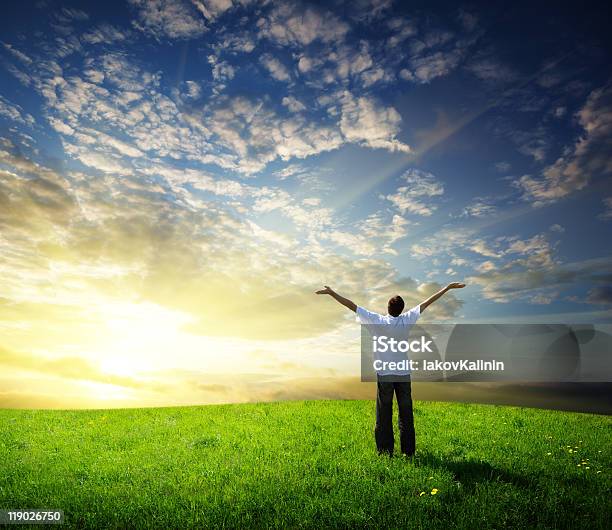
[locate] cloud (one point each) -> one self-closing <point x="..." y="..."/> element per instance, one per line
<point x="481" y="207"/>
<point x="402" y="30"/>
<point x="606" y="215"/>
<point x="293" y="104"/>
<point x="125" y="102"/>
<point x="536" y="273"/>
<point x="15" y="113"/>
<point x="64" y="367"/>
<point x="533" y="143"/>
<point x="486" y="67"/>
<point x="600" y="295"/>
<point x="503" y="166"/>
<point x="68" y="14"/>
<point x="19" y="55"/>
<point x="412" y="197"/>
<point x="105" y="34"/>
<point x="222" y="71"/>
<point x="365" y="121"/>
<point x="369" y="10"/>
<point x="294" y="24"/>
<point x="276" y="69"/>
<point x="194" y="90"/>
<point x="468" y="20"/>
<point x="588" y="159"/>
<point x="428" y="67"/>
<point x="175" y="19"/>
<point x="211" y="9"/>
<point x="149" y="237"/>
<point x="256" y="135"/>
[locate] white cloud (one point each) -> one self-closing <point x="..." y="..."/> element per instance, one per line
<point x="14" y="112"/>
<point x="559" y="112"/>
<point x="590" y="157"/>
<point x="103" y="162"/>
<point x="194" y="90"/>
<point x="293" y="104"/>
<point x="533" y="143"/>
<point x="70" y="14"/>
<point x="606" y="215"/>
<point x="374" y="75"/>
<point x="17" y="53"/>
<point x="367" y="122"/>
<point x="540" y="281"/>
<point x="402" y="30"/>
<point x="305" y="64"/>
<point x="176" y="19"/>
<point x="438" y="64"/>
<point x="60" y="126"/>
<point x="490" y="70"/>
<point x="368" y="10"/>
<point x="406" y="74"/>
<point x="412" y="197"/>
<point x="276" y="69"/>
<point x="105" y="34"/>
<point x="222" y="72"/>
<point x="482" y="247"/>
<point x="211" y="9"/>
<point x="290" y="23"/>
<point x="481" y="207"/>
<point x="257" y="134"/>
<point x="503" y="166"/>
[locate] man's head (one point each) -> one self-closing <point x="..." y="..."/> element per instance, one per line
<point x="395" y="306"/>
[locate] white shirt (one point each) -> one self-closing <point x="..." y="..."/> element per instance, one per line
<point x="397" y="327"/>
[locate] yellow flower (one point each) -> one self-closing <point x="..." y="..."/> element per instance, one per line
<point x="434" y="491"/>
<point x="421" y="494"/>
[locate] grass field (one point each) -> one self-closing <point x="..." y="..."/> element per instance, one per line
<point x="308" y="464"/>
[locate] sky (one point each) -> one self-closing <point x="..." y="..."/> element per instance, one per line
<point x="177" y="178"/>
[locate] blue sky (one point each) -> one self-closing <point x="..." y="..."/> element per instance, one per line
<point x="222" y="159"/>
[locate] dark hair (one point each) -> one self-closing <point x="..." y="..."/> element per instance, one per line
<point x="395" y="306"/>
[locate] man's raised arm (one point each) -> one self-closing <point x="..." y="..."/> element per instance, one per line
<point x="425" y="303"/>
<point x="344" y="301"/>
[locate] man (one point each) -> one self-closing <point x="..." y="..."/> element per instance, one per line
<point x="397" y="381"/>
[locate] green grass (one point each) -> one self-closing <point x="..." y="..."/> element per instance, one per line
<point x="308" y="464"/>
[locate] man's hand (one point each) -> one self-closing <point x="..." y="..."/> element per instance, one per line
<point x="327" y="290"/>
<point x="426" y="303"/>
<point x="340" y="299"/>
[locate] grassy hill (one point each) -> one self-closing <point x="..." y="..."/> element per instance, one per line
<point x="308" y="464"/>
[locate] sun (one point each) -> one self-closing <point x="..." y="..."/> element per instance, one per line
<point x="139" y="336"/>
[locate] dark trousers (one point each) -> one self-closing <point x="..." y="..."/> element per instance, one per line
<point x="383" y="432"/>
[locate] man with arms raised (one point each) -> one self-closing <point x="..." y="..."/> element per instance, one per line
<point x="395" y="381"/>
